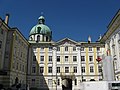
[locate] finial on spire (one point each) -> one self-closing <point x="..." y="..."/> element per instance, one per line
<point x="42" y="13"/>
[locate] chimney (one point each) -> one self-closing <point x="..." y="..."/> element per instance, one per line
<point x="7" y="19"/>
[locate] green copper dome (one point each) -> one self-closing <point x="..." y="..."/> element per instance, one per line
<point x="40" y="28"/>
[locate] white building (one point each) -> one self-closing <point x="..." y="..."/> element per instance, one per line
<point x="112" y="43"/>
<point x="62" y="64"/>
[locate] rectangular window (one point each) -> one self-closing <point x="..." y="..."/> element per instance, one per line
<point x="50" y="58"/>
<point x="49" y="82"/>
<point x="98" y="48"/>
<point x="90" y="58"/>
<point x="99" y="69"/>
<point x="66" y="69"/>
<point x="42" y="59"/>
<point x="34" y="49"/>
<point x="33" y="69"/>
<point x="74" y="48"/>
<point x="41" y="69"/>
<point x="49" y="69"/>
<point x="50" y="48"/>
<point x="58" y="48"/>
<point x="90" y="48"/>
<point x="58" y="58"/>
<point x="34" y="58"/>
<point x="82" y="58"/>
<point x="58" y="69"/>
<point x="82" y="48"/>
<point x="74" y="58"/>
<point x="66" y="58"/>
<point x="0" y="44"/>
<point x="83" y="69"/>
<point x="75" y="81"/>
<point x="58" y="82"/>
<point x="91" y="69"/>
<point x="33" y="81"/>
<point x="75" y="69"/>
<point x="42" y="48"/>
<point x="66" y="48"/>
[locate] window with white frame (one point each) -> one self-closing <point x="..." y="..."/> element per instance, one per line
<point x="58" y="48"/>
<point x="58" y="69"/>
<point x="74" y="48"/>
<point x="66" y="69"/>
<point x="90" y="48"/>
<point x="58" y="82"/>
<point x="50" y="82"/>
<point x="82" y="48"/>
<point x="41" y="59"/>
<point x="83" y="69"/>
<point x="50" y="58"/>
<point x="82" y="58"/>
<point x="34" y="58"/>
<point x="74" y="58"/>
<point x="58" y="58"/>
<point x="42" y="49"/>
<point x="41" y="69"/>
<point x="33" y="81"/>
<point x="98" y="49"/>
<point x="99" y="69"/>
<point x="90" y="58"/>
<point x="91" y="69"/>
<point x="49" y="69"/>
<point x="66" y="58"/>
<point x="75" y="82"/>
<point x="50" y="48"/>
<point x="33" y="69"/>
<point x="66" y="48"/>
<point x="75" y="69"/>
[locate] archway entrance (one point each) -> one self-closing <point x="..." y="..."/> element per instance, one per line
<point x="66" y="84"/>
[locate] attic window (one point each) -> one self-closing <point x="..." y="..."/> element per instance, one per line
<point x="66" y="48"/>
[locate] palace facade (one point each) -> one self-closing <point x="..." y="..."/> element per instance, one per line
<point x="45" y="64"/>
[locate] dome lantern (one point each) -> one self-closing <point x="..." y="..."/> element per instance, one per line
<point x="41" y="20"/>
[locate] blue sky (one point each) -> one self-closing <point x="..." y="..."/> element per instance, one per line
<point x="75" y="19"/>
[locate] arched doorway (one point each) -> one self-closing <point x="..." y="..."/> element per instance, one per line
<point x="67" y="84"/>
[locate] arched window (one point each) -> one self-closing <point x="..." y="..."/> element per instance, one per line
<point x="38" y="38"/>
<point x="46" y="38"/>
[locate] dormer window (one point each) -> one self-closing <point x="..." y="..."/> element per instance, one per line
<point x="38" y="29"/>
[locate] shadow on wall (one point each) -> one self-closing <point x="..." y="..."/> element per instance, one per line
<point x="35" y="77"/>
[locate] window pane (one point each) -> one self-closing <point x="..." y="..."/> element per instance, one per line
<point x="74" y="48"/>
<point x="58" y="69"/>
<point x="75" y="70"/>
<point x="58" y="58"/>
<point x="83" y="69"/>
<point x="66" y="69"/>
<point x="90" y="48"/>
<point x="66" y="48"/>
<point x="49" y="69"/>
<point x="41" y="69"/>
<point x="74" y="58"/>
<point x="50" y="58"/>
<point x="66" y="58"/>
<point x="82" y="58"/>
